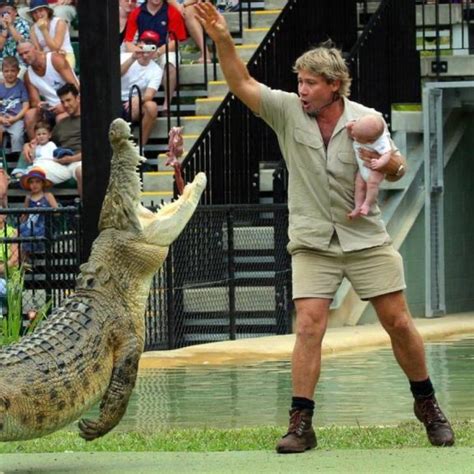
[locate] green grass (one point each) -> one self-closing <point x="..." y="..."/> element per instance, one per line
<point x="245" y="439"/>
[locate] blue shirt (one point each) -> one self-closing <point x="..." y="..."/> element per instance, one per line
<point x="12" y="98"/>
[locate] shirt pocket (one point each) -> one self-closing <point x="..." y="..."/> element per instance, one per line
<point x="309" y="151"/>
<point x="345" y="167"/>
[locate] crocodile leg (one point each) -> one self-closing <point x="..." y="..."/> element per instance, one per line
<point x="115" y="400"/>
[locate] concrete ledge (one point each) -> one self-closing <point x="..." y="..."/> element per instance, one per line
<point x="337" y="341"/>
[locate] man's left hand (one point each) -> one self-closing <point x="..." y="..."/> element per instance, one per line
<point x="367" y="156"/>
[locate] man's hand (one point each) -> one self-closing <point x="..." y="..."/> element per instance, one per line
<point x="367" y="156"/>
<point x="57" y="109"/>
<point x="211" y="20"/>
<point x="28" y="149"/>
<point x="393" y="170"/>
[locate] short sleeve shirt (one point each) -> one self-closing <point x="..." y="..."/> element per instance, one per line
<point x="145" y="77"/>
<point x="67" y="133"/>
<point x="12" y="98"/>
<point x="166" y="19"/>
<point x="321" y="180"/>
<point x="9" y="48"/>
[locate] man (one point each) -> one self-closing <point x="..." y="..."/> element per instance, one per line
<point x="138" y="68"/>
<point x="165" y="20"/>
<point x="67" y="135"/>
<point x="325" y="245"/>
<point x="13" y="29"/>
<point x="46" y="73"/>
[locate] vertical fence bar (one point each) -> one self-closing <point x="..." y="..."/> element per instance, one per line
<point x="231" y="273"/>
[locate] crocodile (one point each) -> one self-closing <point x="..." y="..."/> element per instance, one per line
<point x="89" y="348"/>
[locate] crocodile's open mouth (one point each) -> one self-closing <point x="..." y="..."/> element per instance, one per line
<point x="164" y="226"/>
<point x="191" y="195"/>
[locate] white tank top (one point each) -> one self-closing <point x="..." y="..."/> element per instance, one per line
<point x="66" y="46"/>
<point x="48" y="84"/>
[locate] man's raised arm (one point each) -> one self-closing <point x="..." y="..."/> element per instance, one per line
<point x="245" y="87"/>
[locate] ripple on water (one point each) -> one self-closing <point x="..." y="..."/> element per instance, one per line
<point x="361" y="388"/>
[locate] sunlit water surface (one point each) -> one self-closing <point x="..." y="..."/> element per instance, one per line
<point x="365" y="388"/>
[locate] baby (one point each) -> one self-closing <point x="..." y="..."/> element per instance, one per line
<point x="368" y="132"/>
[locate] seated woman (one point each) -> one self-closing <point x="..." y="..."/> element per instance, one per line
<point x="50" y="33"/>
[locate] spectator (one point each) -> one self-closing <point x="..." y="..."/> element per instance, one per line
<point x="46" y="72"/>
<point x="50" y="33"/>
<point x="186" y="7"/>
<point x="8" y="253"/>
<point x="138" y="68"/>
<point x="13" y="29"/>
<point x="13" y="104"/>
<point x="42" y="148"/>
<point x="165" y="20"/>
<point x="33" y="225"/>
<point x="64" y="9"/>
<point x="125" y="8"/>
<point x="67" y="135"/>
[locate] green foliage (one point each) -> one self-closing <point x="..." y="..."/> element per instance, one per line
<point x="11" y="325"/>
<point x="406" y="435"/>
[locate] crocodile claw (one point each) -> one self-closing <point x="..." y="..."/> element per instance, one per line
<point x="91" y="429"/>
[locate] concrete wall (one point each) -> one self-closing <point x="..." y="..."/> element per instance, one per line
<point x="459" y="239"/>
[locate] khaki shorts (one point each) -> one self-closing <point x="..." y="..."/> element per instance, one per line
<point x="372" y="272"/>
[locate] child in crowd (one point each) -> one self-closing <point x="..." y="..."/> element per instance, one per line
<point x="368" y="132"/>
<point x="43" y="148"/>
<point x="14" y="102"/>
<point x="33" y="225"/>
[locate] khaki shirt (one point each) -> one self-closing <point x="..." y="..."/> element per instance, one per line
<point x="321" y="181"/>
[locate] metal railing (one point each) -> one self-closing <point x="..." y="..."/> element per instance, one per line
<point x="46" y="244"/>
<point x="226" y="277"/>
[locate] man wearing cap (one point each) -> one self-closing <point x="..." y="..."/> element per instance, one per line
<point x="138" y="68"/>
<point x="46" y="73"/>
<point x="13" y="29"/>
<point x="167" y="22"/>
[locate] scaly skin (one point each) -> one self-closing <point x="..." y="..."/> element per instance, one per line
<point x="89" y="348"/>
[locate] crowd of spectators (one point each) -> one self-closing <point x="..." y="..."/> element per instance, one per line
<point x="39" y="90"/>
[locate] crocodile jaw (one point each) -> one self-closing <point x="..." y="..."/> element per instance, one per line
<point x="163" y="227"/>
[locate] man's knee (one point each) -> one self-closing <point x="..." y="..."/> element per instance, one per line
<point x="397" y="323"/>
<point x="311" y="322"/>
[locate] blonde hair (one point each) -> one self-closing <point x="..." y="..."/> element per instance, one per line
<point x="326" y="61"/>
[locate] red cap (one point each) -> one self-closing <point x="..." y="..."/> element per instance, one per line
<point x="150" y="36"/>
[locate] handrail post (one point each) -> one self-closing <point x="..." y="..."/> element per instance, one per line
<point x="140" y="113"/>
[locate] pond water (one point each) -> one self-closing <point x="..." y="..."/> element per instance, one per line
<point x="365" y="388"/>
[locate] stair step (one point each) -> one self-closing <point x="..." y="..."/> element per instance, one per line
<point x="214" y="299"/>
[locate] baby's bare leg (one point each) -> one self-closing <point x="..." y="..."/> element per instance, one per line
<point x="375" y="178"/>
<point x="359" y="196"/>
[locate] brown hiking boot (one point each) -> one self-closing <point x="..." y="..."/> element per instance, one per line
<point x="437" y="426"/>
<point x="300" y="436"/>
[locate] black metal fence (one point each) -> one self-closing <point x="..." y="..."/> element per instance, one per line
<point x="45" y="244"/>
<point x="226" y="277"/>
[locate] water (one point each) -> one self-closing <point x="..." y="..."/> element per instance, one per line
<point x="365" y="388"/>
